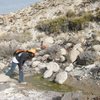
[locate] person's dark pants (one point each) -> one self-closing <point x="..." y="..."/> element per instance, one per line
<point x="11" y="71"/>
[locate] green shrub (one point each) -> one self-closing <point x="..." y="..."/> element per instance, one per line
<point x="65" y="23"/>
<point x="52" y="26"/>
<point x="70" y="14"/>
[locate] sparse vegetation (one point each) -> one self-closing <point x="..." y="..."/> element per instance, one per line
<point x="7" y="48"/>
<point x="65" y="23"/>
<point x="22" y="37"/>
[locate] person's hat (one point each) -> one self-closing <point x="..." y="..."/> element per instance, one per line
<point x="33" y="50"/>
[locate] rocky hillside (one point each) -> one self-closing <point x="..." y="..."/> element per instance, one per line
<point x="70" y="31"/>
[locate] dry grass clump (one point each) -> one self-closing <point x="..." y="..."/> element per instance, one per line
<point x="22" y="37"/>
<point x="7" y="48"/>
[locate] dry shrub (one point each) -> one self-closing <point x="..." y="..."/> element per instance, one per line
<point x="7" y="48"/>
<point x="22" y="37"/>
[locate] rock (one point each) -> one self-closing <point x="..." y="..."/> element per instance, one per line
<point x="98" y="38"/>
<point x="35" y="63"/>
<point x="48" y="40"/>
<point x="86" y="58"/>
<point x="37" y="70"/>
<point x="2" y="65"/>
<point x="47" y="73"/>
<point x="63" y="51"/>
<point x="62" y="58"/>
<point x="42" y="65"/>
<point x="61" y="77"/>
<point x="77" y="72"/>
<point x="4" y="78"/>
<point x="90" y="66"/>
<point x="77" y="49"/>
<point x="96" y="47"/>
<point x="73" y="96"/>
<point x="53" y="66"/>
<point x="69" y="68"/>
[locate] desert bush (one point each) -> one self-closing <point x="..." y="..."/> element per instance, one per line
<point x="70" y="13"/>
<point x="52" y="26"/>
<point x="7" y="48"/>
<point x="97" y="16"/>
<point x="65" y="23"/>
<point x="22" y="37"/>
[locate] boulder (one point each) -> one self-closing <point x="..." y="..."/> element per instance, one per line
<point x="48" y="40"/>
<point x="61" y="77"/>
<point x="73" y="96"/>
<point x="4" y="78"/>
<point x="42" y="65"/>
<point x="2" y="65"/>
<point x="35" y="63"/>
<point x="53" y="66"/>
<point x="62" y="58"/>
<point x="86" y="58"/>
<point x="63" y="51"/>
<point x="48" y="73"/>
<point x="96" y="47"/>
<point x="69" y="68"/>
<point x="77" y="49"/>
<point x="90" y="66"/>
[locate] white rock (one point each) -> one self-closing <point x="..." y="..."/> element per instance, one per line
<point x="98" y="38"/>
<point x="96" y="47"/>
<point x="47" y="73"/>
<point x="69" y="68"/>
<point x="2" y="65"/>
<point x="61" y="77"/>
<point x="35" y="63"/>
<point x="77" y="49"/>
<point x="4" y="78"/>
<point x="74" y="54"/>
<point x="63" y="51"/>
<point x="42" y="65"/>
<point x="53" y="66"/>
<point x="90" y="66"/>
<point x="62" y="58"/>
<point x="48" y="40"/>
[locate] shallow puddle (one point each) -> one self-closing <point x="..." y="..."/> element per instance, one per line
<point x="43" y="84"/>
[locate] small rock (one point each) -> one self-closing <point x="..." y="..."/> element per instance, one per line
<point x="2" y="65"/>
<point x="42" y="65"/>
<point x="77" y="49"/>
<point x="53" y="66"/>
<point x="35" y="63"/>
<point x="47" y="73"/>
<point x="96" y="47"/>
<point x="62" y="58"/>
<point x="63" y="51"/>
<point x="90" y="66"/>
<point x="69" y="68"/>
<point x="61" y="77"/>
<point x="48" y="40"/>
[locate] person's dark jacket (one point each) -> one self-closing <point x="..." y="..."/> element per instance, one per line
<point x="22" y="57"/>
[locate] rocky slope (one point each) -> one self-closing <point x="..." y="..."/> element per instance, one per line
<point x="70" y="29"/>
